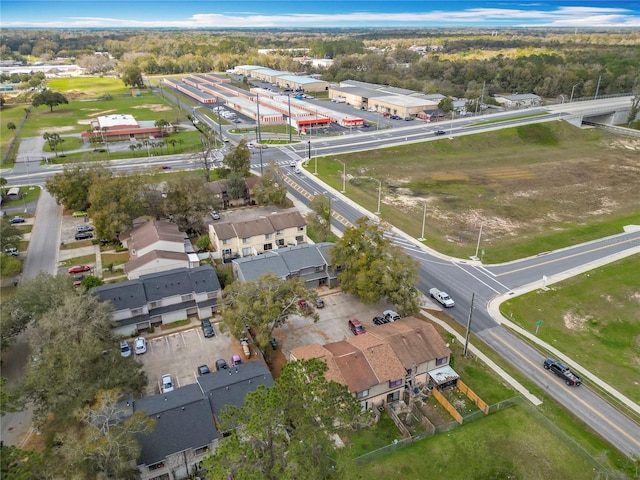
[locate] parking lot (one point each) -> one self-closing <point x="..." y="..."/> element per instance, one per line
<point x="181" y="353"/>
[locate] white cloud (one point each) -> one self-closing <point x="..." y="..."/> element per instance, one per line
<point x="562" y="16"/>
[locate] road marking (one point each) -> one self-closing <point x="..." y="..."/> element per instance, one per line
<point x="566" y="257"/>
<point x="576" y="397"/>
<point x="309" y="196"/>
<point x="477" y="278"/>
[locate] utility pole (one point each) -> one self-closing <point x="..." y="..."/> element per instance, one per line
<point x="598" y="87"/>
<point x="258" y="114"/>
<point x="466" y="338"/>
<point x="424" y="219"/>
<point x="219" y="122"/>
<point x="290" y="141"/>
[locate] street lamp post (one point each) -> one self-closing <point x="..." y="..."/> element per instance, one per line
<point x="478" y="245"/>
<point x="424" y="219"/>
<point x="309" y="145"/>
<point x="344" y="177"/>
<point x="572" y="89"/>
<point x="315" y="159"/>
<point x="379" y="195"/>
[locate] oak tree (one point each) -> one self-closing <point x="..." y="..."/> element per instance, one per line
<point x="49" y="98"/>
<point x="71" y="186"/>
<point x="319" y="221"/>
<point x="271" y="188"/>
<point x="374" y="269"/>
<point x="239" y="159"/>
<point x="263" y="305"/>
<point x="188" y="202"/>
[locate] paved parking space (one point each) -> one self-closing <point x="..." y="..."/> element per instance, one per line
<point x="332" y="325"/>
<point x="179" y="354"/>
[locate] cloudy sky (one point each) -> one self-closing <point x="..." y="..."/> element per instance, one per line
<point x="313" y="14"/>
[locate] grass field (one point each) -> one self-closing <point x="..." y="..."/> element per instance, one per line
<point x="509" y="444"/>
<point x="594" y="318"/>
<point x="533" y="189"/>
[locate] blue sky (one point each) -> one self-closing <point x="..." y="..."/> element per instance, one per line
<point x="315" y="14"/>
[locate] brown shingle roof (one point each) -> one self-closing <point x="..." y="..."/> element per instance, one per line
<point x="284" y="220"/>
<point x="148" y="233"/>
<point x="250" y="228"/>
<point x="381" y="357"/>
<point x="224" y="230"/>
<point x="153" y="255"/>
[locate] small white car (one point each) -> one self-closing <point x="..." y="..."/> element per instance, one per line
<point x="167" y="383"/>
<point x="125" y="349"/>
<point x="391" y="315"/>
<point x="140" y="346"/>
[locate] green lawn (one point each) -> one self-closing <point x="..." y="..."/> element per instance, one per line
<point x="509" y="444"/>
<point x="530" y="187"/>
<point x="594" y="318"/>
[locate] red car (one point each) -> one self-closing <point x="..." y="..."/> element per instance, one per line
<point x="79" y="269"/>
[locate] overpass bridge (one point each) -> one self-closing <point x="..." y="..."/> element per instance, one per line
<point x="608" y="111"/>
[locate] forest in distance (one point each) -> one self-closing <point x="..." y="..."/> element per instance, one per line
<point x="458" y="62"/>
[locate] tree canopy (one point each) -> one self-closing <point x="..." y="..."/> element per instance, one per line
<point x="239" y="159"/>
<point x="71" y="186"/>
<point x="264" y="304"/>
<point x="375" y="269"/>
<point x="49" y="98"/>
<point x="284" y="432"/>
<point x="188" y="201"/>
<point x="132" y="76"/>
<point x="319" y="221"/>
<point x="271" y="188"/>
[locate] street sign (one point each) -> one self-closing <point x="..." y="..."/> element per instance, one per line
<point x="538" y="325"/>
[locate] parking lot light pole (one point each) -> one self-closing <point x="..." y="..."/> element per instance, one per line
<point x="377" y="212"/>
<point x="344" y="177"/>
<point x="572" y="89"/>
<point x="424" y="219"/>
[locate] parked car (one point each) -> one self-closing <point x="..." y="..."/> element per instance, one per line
<point x="13" y="251"/>
<point x="391" y="315"/>
<point x="304" y="307"/>
<point x="221" y="364"/>
<point x="79" y="213"/>
<point x="167" y="383"/>
<point x="319" y="303"/>
<point x="79" y="269"/>
<point x="83" y="235"/>
<point x="140" y="346"/>
<point x="235" y="360"/>
<point x="379" y="321"/>
<point x="203" y="370"/>
<point x="215" y="215"/>
<point x="125" y="348"/>
<point x="207" y="328"/>
<point x="15" y="220"/>
<point x="84" y="228"/>
<point x="356" y="327"/>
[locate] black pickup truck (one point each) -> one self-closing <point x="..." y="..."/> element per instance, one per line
<point x="564" y="372"/>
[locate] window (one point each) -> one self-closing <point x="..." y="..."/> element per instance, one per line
<point x="225" y="242"/>
<point x="300" y="229"/>
<point x="245" y="240"/>
<point x="136" y="311"/>
<point x="393" y="397"/>
<point x="299" y="239"/>
<point x="156" y="466"/>
<point x="164" y="476"/>
<point x="280" y="242"/>
<point x="226" y="252"/>
<point x="278" y="232"/>
<point x="201" y="450"/>
<point x="395" y="383"/>
<point x="187" y="297"/>
<point x="268" y="236"/>
<point x="320" y="268"/>
<point x="155" y="304"/>
<point x="212" y="294"/>
<point x="267" y="246"/>
<point x="362" y="394"/>
<point x="441" y="361"/>
<point x="246" y="251"/>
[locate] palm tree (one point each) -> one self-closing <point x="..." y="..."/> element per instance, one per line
<point x="132" y="147"/>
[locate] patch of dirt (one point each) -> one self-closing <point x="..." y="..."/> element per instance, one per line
<point x="574" y="322"/>
<point x="42" y="131"/>
<point x="154" y="108"/>
<point x="276" y="361"/>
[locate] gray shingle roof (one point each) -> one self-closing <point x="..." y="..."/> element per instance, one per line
<point x="123" y="295"/>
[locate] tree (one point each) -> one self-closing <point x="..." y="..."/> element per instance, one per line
<point x="446" y="104"/>
<point x="162" y="124"/>
<point x="77" y="356"/>
<point x="284" y="432"/>
<point x="271" y="187"/>
<point x="239" y="159"/>
<point x="11" y="126"/>
<point x="49" y="98"/>
<point x="320" y="218"/>
<point x="205" y="158"/>
<point x="71" y="186"/>
<point x="237" y="186"/>
<point x="203" y="243"/>
<point x="264" y="304"/>
<point x="132" y="76"/>
<point x="108" y="442"/>
<point x="115" y="202"/>
<point x="373" y="268"/>
<point x="18" y="464"/>
<point x="188" y="201"/>
<point x="54" y="140"/>
<point x="10" y="235"/>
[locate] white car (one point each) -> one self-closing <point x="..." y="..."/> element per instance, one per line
<point x="167" y="383"/>
<point x="125" y="349"/>
<point x="292" y="163"/>
<point x="391" y="315"/>
<point x="140" y="345"/>
<point x="298" y="170"/>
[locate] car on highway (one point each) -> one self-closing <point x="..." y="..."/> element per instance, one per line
<point x="140" y="346"/>
<point x="79" y="269"/>
<point x="83" y="235"/>
<point x="166" y="167"/>
<point x="562" y="371"/>
<point x="79" y="213"/>
<point x="440" y="132"/>
<point x="167" y="383"/>
<point x="292" y="164"/>
<point x="125" y="348"/>
<point x="15" y="220"/>
<point x="298" y="171"/>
